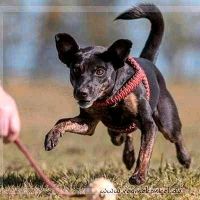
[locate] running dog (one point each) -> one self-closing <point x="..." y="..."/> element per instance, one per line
<point x="124" y="93"/>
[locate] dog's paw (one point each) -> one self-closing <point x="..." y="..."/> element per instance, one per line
<point x="128" y="158"/>
<point x="51" y="139"/>
<point x="136" y="179"/>
<point x="184" y="159"/>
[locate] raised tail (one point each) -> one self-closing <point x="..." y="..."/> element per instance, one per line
<point x="153" y="14"/>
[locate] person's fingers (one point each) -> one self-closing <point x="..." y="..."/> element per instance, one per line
<point x="4" y="123"/>
<point x="14" y="127"/>
<point x="9" y="117"/>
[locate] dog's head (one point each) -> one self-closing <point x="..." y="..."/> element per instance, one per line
<point x="92" y="69"/>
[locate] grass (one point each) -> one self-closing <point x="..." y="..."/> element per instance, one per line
<point x="78" y="160"/>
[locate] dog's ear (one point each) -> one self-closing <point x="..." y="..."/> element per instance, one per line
<point x="66" y="47"/>
<point x="117" y="53"/>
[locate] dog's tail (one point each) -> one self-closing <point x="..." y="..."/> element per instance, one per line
<point x="152" y="13"/>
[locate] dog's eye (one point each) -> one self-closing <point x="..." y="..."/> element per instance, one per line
<point x="100" y="71"/>
<point x="76" y="70"/>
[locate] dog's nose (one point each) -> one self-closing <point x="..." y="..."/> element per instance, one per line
<point x="82" y="94"/>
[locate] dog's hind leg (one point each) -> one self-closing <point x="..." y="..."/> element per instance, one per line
<point x="78" y="125"/>
<point x="128" y="152"/>
<point x="168" y="122"/>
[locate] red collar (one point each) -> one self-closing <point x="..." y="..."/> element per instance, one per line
<point x="128" y="87"/>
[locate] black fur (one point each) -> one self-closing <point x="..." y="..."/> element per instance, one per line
<point x="151" y="12"/>
<point x="98" y="72"/>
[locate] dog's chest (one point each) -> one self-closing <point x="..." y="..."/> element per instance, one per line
<point x="122" y="114"/>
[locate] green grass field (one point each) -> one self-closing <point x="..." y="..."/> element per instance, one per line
<point x="77" y="160"/>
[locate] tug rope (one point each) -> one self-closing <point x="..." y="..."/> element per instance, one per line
<point x="40" y="173"/>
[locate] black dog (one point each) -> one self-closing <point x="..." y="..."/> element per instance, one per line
<point x="97" y="73"/>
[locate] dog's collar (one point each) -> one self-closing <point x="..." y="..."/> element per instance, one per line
<point x="138" y="77"/>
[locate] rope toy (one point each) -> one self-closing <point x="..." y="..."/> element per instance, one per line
<point x="40" y="173"/>
<point x="97" y="190"/>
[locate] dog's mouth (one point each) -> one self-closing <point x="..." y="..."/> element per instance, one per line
<point x="85" y="104"/>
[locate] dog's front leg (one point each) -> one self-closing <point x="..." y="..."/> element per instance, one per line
<point x="148" y="129"/>
<point x="78" y="125"/>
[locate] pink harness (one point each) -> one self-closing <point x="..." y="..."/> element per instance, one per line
<point x="125" y="90"/>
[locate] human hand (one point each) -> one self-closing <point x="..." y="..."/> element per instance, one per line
<point x="9" y="118"/>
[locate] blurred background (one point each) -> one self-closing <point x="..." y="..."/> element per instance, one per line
<point x="29" y="48"/>
<point x="34" y="76"/>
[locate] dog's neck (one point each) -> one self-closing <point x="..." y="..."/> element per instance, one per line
<point x="122" y="75"/>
